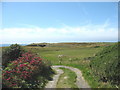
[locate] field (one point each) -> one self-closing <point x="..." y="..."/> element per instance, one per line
<point x="71" y="53"/>
<point x="76" y="55"/>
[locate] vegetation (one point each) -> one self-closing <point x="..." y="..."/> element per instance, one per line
<point x="67" y="79"/>
<point x="106" y="65"/>
<point x="98" y="62"/>
<point x="27" y="71"/>
<point x="71" y="53"/>
<point x="11" y="53"/>
<point x="98" y="68"/>
<point x="79" y="55"/>
<point x="38" y="44"/>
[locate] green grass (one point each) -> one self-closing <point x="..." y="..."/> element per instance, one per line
<point x="106" y="65"/>
<point x="67" y="79"/>
<point x="77" y="53"/>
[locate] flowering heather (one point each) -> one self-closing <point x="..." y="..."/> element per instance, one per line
<point x="21" y="69"/>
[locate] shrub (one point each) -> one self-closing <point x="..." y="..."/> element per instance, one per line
<point x="11" y="53"/>
<point x="25" y="72"/>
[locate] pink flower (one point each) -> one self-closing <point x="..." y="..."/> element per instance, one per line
<point x="14" y="84"/>
<point x="22" y="68"/>
<point x="8" y="78"/>
<point x="7" y="72"/>
<point x="18" y="71"/>
<point x="21" y="65"/>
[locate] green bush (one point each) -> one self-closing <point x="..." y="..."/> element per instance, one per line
<point x="11" y="53"/>
<point x="106" y="65"/>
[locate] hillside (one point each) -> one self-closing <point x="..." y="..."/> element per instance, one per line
<point x="106" y="65"/>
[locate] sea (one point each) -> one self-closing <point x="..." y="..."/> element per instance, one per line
<point x="6" y="45"/>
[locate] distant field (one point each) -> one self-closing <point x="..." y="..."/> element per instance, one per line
<point x="72" y="52"/>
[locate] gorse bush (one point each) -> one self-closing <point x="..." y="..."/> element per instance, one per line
<point x="25" y="72"/>
<point x="11" y="53"/>
<point x="106" y="65"/>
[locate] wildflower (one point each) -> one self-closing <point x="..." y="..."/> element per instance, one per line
<point x="7" y="72"/>
<point x="8" y="78"/>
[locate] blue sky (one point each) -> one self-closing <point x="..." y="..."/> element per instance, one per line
<point x="29" y="22"/>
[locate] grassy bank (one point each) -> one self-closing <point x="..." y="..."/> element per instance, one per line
<point x="106" y="64"/>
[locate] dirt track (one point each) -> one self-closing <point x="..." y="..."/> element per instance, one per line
<point x="53" y="83"/>
<point x="80" y="82"/>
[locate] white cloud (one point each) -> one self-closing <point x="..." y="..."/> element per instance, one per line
<point x="66" y="33"/>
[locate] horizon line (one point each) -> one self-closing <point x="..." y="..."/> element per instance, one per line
<point x="68" y="42"/>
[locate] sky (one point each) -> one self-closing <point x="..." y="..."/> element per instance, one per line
<point x="33" y="22"/>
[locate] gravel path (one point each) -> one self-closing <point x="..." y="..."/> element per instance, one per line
<point x="53" y="83"/>
<point x="80" y="82"/>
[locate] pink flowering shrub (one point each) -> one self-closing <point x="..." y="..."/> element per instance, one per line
<point x="22" y="72"/>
